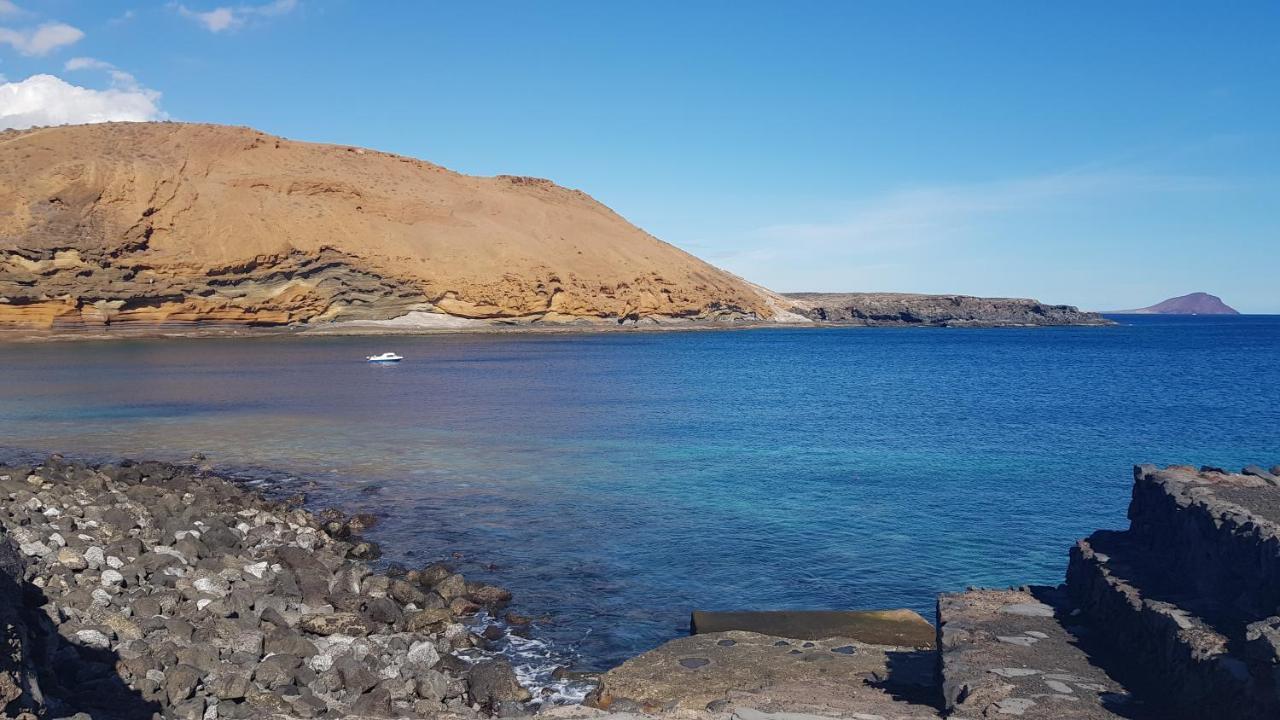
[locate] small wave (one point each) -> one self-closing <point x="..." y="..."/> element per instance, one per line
<point x="535" y="663"/>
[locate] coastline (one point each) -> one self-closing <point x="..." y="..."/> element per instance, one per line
<point x="141" y="588"/>
<point x="15" y="335"/>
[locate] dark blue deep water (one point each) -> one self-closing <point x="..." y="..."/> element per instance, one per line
<point x="616" y="481"/>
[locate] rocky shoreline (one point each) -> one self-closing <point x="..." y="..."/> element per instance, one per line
<point x="142" y="590"/>
<point x="138" y="589"/>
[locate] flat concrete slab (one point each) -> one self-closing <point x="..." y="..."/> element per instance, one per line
<point x="736" y="670"/>
<point x="1005" y="653"/>
<point x="900" y="628"/>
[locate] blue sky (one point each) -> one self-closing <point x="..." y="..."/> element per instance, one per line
<point x="1101" y="154"/>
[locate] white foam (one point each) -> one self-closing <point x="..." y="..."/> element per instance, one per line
<point x="534" y="662"/>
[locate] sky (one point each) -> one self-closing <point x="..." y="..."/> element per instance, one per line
<point x="1102" y="154"/>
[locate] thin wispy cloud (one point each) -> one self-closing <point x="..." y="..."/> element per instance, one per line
<point x="224" y="18"/>
<point x="919" y="238"/>
<point x="41" y="40"/>
<point x="86" y="63"/>
<point x="119" y="78"/>
<point x="915" y="216"/>
<point x="8" y="9"/>
<point x="123" y="17"/>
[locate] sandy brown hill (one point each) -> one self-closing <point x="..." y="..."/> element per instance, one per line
<point x="166" y="223"/>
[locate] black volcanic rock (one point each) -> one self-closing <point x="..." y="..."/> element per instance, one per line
<point x="1197" y="303"/>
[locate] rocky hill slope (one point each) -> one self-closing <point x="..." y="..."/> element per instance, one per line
<point x="154" y="224"/>
<point x="1197" y="303"/>
<point x="935" y="310"/>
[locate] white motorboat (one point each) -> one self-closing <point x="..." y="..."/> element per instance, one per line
<point x="387" y="357"/>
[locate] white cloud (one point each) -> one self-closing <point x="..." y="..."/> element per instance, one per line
<point x="42" y="40"/>
<point x="48" y="100"/>
<point x="86" y="63"/>
<point x="120" y="79"/>
<point x="8" y="8"/>
<point x="228" y="18"/>
<point x="215" y="20"/>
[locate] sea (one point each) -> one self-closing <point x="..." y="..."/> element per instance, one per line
<point x="617" y="481"/>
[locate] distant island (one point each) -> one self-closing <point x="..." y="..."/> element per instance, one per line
<point x="1197" y="303"/>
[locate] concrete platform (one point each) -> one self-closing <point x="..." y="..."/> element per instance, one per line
<point x="741" y="671"/>
<point x="902" y="628"/>
<point x="1005" y="653"/>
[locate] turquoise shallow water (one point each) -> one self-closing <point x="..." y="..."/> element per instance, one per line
<point x="617" y="481"/>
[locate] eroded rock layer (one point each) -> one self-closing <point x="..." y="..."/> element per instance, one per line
<point x="167" y="223"/>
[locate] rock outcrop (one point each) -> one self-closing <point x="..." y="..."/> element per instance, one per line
<point x="905" y="309"/>
<point x="1189" y="596"/>
<point x="1176" y="617"/>
<point x="168" y="224"/>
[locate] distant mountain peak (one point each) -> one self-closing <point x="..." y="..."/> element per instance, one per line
<point x="1196" y="303"/>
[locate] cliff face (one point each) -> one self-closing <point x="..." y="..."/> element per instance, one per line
<point x="939" y="310"/>
<point x="164" y="223"/>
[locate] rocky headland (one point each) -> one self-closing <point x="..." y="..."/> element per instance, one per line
<point x="906" y="309"/>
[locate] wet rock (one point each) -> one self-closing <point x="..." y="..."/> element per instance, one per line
<point x="487" y="595"/>
<point x="365" y="550"/>
<point x="453" y="586"/>
<point x="492" y="682"/>
<point x="426" y="620"/>
<point x="462" y="607"/>
<point x="405" y="593"/>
